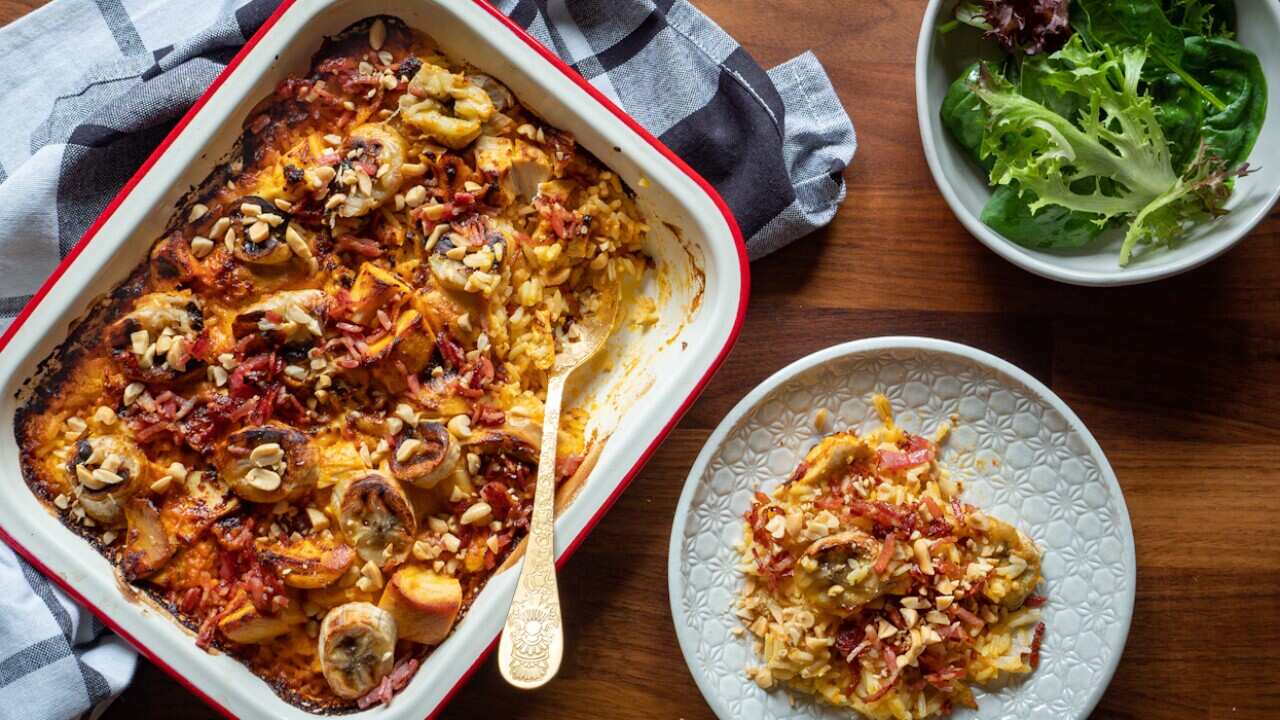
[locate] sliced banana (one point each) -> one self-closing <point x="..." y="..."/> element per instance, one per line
<point x="357" y="648"/>
<point x="153" y="342"/>
<point x="425" y="454"/>
<point x="107" y="471"/>
<point x="268" y="464"/>
<point x="376" y="517"/>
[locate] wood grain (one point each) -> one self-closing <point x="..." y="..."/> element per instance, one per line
<point x="1178" y="381"/>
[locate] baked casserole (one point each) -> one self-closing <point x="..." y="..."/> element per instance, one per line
<point x="870" y="584"/>
<point x="308" y="423"/>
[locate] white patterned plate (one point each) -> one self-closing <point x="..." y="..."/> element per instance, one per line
<point x="1023" y="456"/>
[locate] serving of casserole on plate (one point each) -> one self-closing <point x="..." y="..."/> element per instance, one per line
<point x="302" y="414"/>
<point x="958" y="504"/>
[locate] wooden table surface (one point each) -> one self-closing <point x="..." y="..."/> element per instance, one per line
<point x="1178" y="380"/>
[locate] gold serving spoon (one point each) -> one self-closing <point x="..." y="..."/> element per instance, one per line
<point x="533" y="637"/>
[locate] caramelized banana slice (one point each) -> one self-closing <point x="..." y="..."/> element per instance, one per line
<point x="261" y="240"/>
<point x="246" y="625"/>
<point x="147" y="546"/>
<point x="424" y="454"/>
<point x="153" y="343"/>
<point x="517" y="440"/>
<point x="424" y="605"/>
<point x="843" y="560"/>
<point x="291" y="317"/>
<point x="268" y="464"/>
<point x="357" y="648"/>
<point x="427" y="106"/>
<point x="376" y="517"/>
<point x="374" y="176"/>
<point x="107" y="471"/>
<point x="1018" y="564"/>
<point x="308" y="563"/>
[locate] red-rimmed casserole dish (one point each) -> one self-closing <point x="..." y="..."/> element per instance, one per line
<point x="701" y="283"/>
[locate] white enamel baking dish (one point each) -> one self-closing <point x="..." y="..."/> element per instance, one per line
<point x="702" y="286"/>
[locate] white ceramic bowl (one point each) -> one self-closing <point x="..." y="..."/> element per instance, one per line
<point x="659" y="372"/>
<point x="941" y="58"/>
<point x="1023" y="456"/>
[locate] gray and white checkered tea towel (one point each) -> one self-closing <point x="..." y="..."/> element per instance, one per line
<point x="91" y="87"/>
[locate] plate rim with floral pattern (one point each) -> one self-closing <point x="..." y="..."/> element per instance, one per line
<point x="712" y="681"/>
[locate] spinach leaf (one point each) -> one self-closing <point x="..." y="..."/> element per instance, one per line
<point x="1136" y="22"/>
<point x="1181" y="112"/>
<point x="1051" y="227"/>
<point x="1209" y="18"/>
<point x="962" y="112"/>
<point x="1234" y="74"/>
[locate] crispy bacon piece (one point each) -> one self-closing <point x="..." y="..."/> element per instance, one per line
<point x="450" y="350"/>
<point x="1037" y="639"/>
<point x="487" y="415"/>
<point x="360" y="246"/>
<point x="886" y="554"/>
<point x="918" y="452"/>
<point x="568" y="466"/>
<point x="495" y="493"/>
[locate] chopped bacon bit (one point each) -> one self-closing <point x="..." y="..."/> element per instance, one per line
<point x="800" y="470"/>
<point x="884" y="689"/>
<point x="568" y="466"/>
<point x="495" y="493"/>
<point x="968" y="617"/>
<point x="487" y="415"/>
<point x="191" y="600"/>
<point x="349" y="328"/>
<point x="185" y="409"/>
<point x="886" y="554"/>
<point x="381" y="695"/>
<point x="829" y="502"/>
<point x="1036" y="640"/>
<point x="934" y="509"/>
<point x="359" y="246"/>
<point x="402" y="673"/>
<point x="1035" y="601"/>
<point x="450" y="350"/>
<point x="149" y="433"/>
<point x="204" y="638"/>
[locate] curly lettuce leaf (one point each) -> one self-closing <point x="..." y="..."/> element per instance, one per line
<point x="1199" y="194"/>
<point x="1113" y="163"/>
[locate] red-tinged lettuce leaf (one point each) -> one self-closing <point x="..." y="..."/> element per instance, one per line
<point x="1029" y="26"/>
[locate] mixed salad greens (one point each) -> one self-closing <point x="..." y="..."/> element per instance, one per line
<point x="1107" y="113"/>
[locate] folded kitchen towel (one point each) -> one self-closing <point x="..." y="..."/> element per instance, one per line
<point x="92" y="86"/>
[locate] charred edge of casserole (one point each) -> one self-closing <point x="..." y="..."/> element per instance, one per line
<point x="52" y="374"/>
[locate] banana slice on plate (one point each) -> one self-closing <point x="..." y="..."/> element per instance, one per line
<point x="376" y="517"/>
<point x="357" y="648"/>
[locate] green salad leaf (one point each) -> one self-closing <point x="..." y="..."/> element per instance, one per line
<point x="1206" y="18"/>
<point x="1199" y="194"/>
<point x="1118" y="137"/>
<point x="1123" y="23"/>
<point x="1235" y="75"/>
<point x="1054" y="227"/>
<point x="962" y="114"/>
<point x="1008" y="211"/>
<point x="1111" y="161"/>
